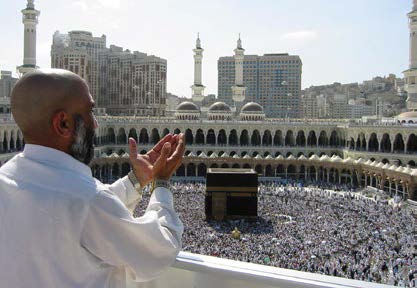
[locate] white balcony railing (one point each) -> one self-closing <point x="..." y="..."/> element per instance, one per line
<point x="199" y="271"/>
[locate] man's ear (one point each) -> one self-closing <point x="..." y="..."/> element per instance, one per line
<point x="62" y="124"/>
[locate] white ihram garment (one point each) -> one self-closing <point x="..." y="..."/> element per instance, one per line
<point x="60" y="227"/>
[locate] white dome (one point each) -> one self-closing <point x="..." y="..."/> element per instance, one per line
<point x="220" y="107"/>
<point x="187" y="106"/>
<point x="252" y="107"/>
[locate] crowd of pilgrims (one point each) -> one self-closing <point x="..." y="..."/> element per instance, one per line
<point x="320" y="228"/>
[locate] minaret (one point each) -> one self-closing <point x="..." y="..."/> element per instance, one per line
<point x="30" y="20"/>
<point x="238" y="90"/>
<point x="198" y="87"/>
<point x="411" y="73"/>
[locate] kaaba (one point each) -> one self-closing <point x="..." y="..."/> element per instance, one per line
<point x="231" y="194"/>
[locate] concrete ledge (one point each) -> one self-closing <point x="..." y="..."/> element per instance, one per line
<point x="194" y="270"/>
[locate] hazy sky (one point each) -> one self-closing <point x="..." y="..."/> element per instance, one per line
<point x="343" y="41"/>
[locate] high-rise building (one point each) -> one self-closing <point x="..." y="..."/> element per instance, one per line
<point x="30" y="21"/>
<point x="310" y="108"/>
<point x="78" y="51"/>
<point x="121" y="81"/>
<point x="358" y="108"/>
<point x="7" y="82"/>
<point x="339" y="107"/>
<point x="135" y="82"/>
<point x="272" y="80"/>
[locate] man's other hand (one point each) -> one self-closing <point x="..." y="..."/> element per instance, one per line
<point x="167" y="164"/>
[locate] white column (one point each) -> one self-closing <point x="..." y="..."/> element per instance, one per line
<point x="238" y="90"/>
<point x="30" y="21"/>
<point x="411" y="73"/>
<point x="198" y="87"/>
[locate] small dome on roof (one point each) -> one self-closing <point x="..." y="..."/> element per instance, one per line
<point x="291" y="157"/>
<point x="400" y="169"/>
<point x="324" y="158"/>
<point x="220" y="107"/>
<point x="314" y="157"/>
<point x="214" y="155"/>
<point x="187" y="106"/>
<point x="252" y="107"/>
<point x="202" y="155"/>
<point x="393" y="167"/>
<point x="408" y="114"/>
<point x="225" y="155"/>
<point x="302" y="157"/>
<point x="407" y="170"/>
<point x="380" y="165"/>
<point x="336" y="159"/>
<point x="348" y="160"/>
<point x="114" y="155"/>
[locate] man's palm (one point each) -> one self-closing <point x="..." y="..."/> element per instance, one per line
<point x="142" y="164"/>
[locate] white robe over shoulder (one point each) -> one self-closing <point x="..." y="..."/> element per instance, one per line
<point x="60" y="227"/>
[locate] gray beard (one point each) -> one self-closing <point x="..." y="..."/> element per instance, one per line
<point x="82" y="149"/>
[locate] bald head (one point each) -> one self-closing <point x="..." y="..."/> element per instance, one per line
<point x="38" y="95"/>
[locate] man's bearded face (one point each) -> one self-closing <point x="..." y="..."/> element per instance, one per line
<point x="83" y="147"/>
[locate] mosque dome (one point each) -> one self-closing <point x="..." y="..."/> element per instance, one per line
<point x="220" y="107"/>
<point x="187" y="111"/>
<point x="252" y="111"/>
<point x="187" y="106"/>
<point x="407" y="117"/>
<point x="220" y="111"/>
<point x="252" y="107"/>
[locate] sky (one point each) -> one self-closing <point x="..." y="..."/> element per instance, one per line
<point x="338" y="41"/>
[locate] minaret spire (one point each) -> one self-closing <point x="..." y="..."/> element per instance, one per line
<point x="30" y="4"/>
<point x="198" y="42"/>
<point x="30" y="21"/>
<point x="198" y="87"/>
<point x="239" y="43"/>
<point x="238" y="90"/>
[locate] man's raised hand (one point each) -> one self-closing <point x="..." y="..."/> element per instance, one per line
<point x="143" y="165"/>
